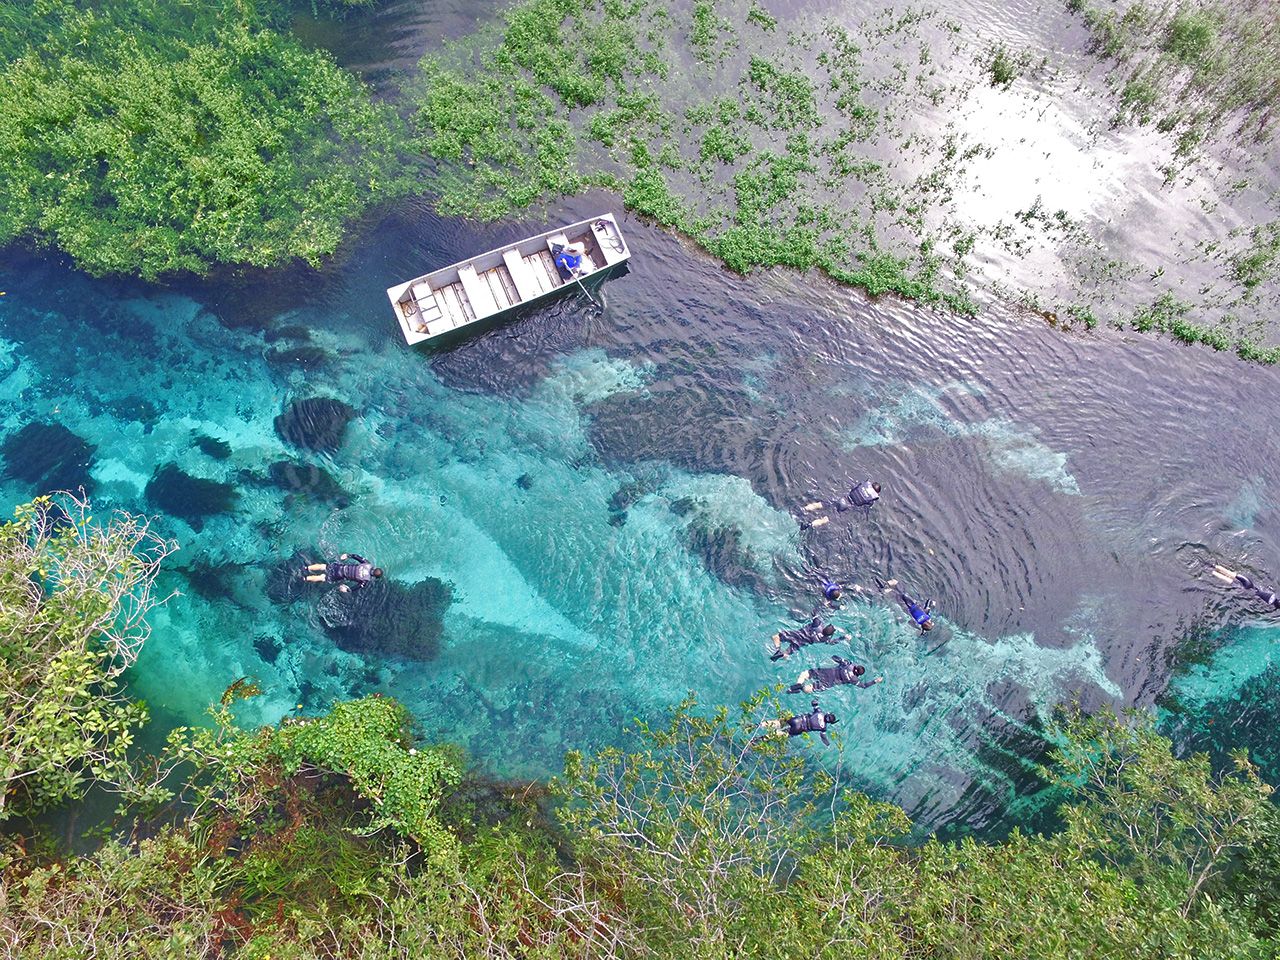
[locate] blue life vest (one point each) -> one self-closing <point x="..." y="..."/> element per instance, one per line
<point x="568" y="261"/>
<point x="918" y="613"/>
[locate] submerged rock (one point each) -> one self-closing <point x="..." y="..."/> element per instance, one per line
<point x="49" y="457"/>
<point x="189" y="498"/>
<point x="212" y="446"/>
<point x="317" y="423"/>
<point x="390" y="619"/>
<point x="307" y="479"/>
<point x="524" y="482"/>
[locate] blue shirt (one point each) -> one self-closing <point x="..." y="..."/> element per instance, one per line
<point x="568" y="261"/>
<point x="918" y="613"/>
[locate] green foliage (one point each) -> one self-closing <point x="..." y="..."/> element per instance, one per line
<point x="1002" y="68"/>
<point x="698" y="841"/>
<point x="73" y="600"/>
<point x="790" y="94"/>
<point x="1201" y="68"/>
<point x="1174" y="826"/>
<point x="1191" y="35"/>
<point x="138" y="151"/>
<point x="1257" y="264"/>
<point x="710" y="35"/>
<point x="514" y="122"/>
<point x="367" y="741"/>
<point x="762" y="19"/>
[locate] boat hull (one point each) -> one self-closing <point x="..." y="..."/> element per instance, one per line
<point x="474" y="294"/>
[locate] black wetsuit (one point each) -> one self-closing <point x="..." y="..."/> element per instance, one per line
<point x="824" y="678"/>
<point x="359" y="573"/>
<point x="1266" y="596"/>
<point x="811" y="632"/>
<point x="859" y="495"/>
<point x="813" y="722"/>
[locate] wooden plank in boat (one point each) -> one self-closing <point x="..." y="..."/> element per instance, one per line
<point x="538" y="272"/>
<point x="495" y="287"/>
<point x="468" y="308"/>
<point x="521" y="275"/>
<point x="477" y="291"/>
<point x="508" y="285"/>
<point x="452" y="306"/>
<point x="548" y="264"/>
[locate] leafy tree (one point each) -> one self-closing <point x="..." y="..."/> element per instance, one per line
<point x="74" y="596"/>
<point x="1175" y="826"/>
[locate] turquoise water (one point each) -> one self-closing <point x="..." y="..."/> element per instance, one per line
<point x="590" y="512"/>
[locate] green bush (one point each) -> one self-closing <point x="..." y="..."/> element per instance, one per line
<point x="74" y="595"/>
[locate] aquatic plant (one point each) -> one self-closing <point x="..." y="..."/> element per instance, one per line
<point x="49" y="457"/>
<point x="139" y="147"/>
<point x="212" y="446"/>
<point x="315" y="423"/>
<point x="1195" y="68"/>
<point x="389" y="619"/>
<point x="307" y="479"/>
<point x="193" y="499"/>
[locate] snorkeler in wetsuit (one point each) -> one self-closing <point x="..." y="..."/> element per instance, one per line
<point x="864" y="494"/>
<point x="358" y="573"/>
<point x="1268" y="597"/>
<point x="824" y="678"/>
<point x="919" y="612"/>
<point x="815" y="631"/>
<point x="815" y="721"/>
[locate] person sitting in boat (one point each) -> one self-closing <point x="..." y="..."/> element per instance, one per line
<point x="815" y="631"/>
<point x="569" y="259"/>
<point x="349" y="569"/>
<point x="1230" y="576"/>
<point x="864" y="494"/>
<point x="824" y="678"/>
<point x="919" y="612"/>
<point x="813" y="722"/>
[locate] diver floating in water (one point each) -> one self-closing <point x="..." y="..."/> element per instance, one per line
<point x="864" y="494"/>
<point x="919" y="612"/>
<point x="815" y="721"/>
<point x="815" y="631"/>
<point x="358" y="573"/>
<point x="844" y="673"/>
<point x="1230" y="576"/>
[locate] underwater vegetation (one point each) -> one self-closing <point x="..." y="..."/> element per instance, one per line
<point x="308" y="480"/>
<point x="49" y="457"/>
<point x="389" y="619"/>
<point x="212" y="447"/>
<point x="316" y="423"/>
<point x="151" y="138"/>
<point x="192" y="499"/>
<point x="1195" y="69"/>
<point x="761" y="169"/>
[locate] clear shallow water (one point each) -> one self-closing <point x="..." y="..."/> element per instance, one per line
<point x="610" y="496"/>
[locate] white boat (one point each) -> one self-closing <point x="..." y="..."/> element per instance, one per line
<point x="473" y="291"/>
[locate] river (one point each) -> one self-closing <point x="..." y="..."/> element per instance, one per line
<point x="610" y="494"/>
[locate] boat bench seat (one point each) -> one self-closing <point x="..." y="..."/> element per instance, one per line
<point x="482" y="302"/>
<point x="521" y="275"/>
